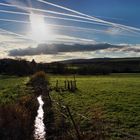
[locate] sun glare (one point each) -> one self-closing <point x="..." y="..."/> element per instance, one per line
<point x="40" y="32"/>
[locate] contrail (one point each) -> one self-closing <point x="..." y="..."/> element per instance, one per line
<point x="16" y="34"/>
<point x="14" y="12"/>
<point x="26" y="38"/>
<point x="56" y="25"/>
<point x="53" y="17"/>
<point x="76" y="12"/>
<point x="52" y="25"/>
<point x="65" y="8"/>
<point x="61" y="18"/>
<point x="110" y="18"/>
<point x="127" y="28"/>
<point x="29" y="9"/>
<point x="70" y="39"/>
<point x="91" y="30"/>
<point x="133" y="28"/>
<point x="87" y="16"/>
<point x="72" y="28"/>
<point x="130" y="29"/>
<point x="12" y="20"/>
<point x="91" y="17"/>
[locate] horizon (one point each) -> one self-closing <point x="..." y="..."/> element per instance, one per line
<point x="55" y="31"/>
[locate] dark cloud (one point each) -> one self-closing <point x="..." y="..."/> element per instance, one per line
<point x="61" y="48"/>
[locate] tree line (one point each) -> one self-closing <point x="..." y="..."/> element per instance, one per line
<point x="22" y="67"/>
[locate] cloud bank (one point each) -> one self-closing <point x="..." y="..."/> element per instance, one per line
<point x="54" y="49"/>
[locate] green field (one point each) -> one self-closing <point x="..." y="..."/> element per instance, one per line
<point x="11" y="88"/>
<point x="114" y="98"/>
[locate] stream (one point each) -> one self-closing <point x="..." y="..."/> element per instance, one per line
<point x="39" y="131"/>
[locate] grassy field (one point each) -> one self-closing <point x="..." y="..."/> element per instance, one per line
<point x="11" y="88"/>
<point x="114" y="98"/>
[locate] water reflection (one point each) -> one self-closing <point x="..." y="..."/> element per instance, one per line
<point x="39" y="133"/>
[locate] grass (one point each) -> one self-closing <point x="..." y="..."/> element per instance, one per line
<point x="17" y="108"/>
<point x="12" y="88"/>
<point x="114" y="98"/>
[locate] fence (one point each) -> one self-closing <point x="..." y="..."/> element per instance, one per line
<point x="69" y="114"/>
<point x="64" y="85"/>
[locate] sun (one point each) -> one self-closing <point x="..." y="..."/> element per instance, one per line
<point x="40" y="32"/>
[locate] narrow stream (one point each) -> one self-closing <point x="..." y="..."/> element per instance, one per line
<point x="39" y="132"/>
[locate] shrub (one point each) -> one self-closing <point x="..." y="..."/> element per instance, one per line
<point x="39" y="79"/>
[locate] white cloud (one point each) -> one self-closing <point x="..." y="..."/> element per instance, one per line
<point x="9" y="42"/>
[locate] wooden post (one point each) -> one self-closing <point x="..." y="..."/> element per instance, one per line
<point x="71" y="88"/>
<point x="65" y="84"/>
<point x="74" y="124"/>
<point x="68" y="85"/>
<point x="56" y="84"/>
<point x="75" y="86"/>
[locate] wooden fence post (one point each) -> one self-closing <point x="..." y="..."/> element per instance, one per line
<point x="75" y="85"/>
<point x="71" y="88"/>
<point x="65" y="84"/>
<point x="68" y="85"/>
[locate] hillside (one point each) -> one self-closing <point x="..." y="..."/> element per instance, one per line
<point x="102" y="60"/>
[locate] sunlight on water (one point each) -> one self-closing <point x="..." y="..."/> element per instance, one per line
<point x="39" y="133"/>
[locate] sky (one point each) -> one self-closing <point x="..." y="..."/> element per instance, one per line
<point x="54" y="30"/>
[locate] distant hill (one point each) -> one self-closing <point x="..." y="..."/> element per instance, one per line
<point x="100" y="60"/>
<point x="105" y="65"/>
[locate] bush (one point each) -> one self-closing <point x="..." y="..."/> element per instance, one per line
<point x="39" y="79"/>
